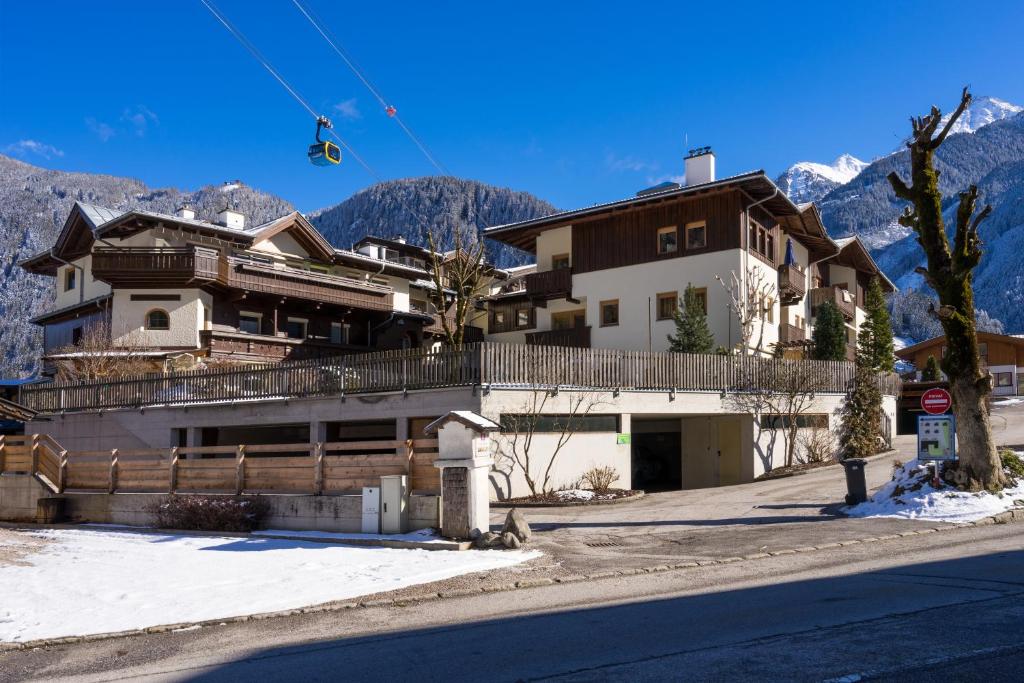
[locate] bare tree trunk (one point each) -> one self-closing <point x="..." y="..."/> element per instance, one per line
<point x="950" y="274"/>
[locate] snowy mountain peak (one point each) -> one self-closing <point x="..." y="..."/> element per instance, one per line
<point x="808" y="181"/>
<point x="981" y="112"/>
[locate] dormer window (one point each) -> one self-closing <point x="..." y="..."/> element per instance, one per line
<point x="70" y="279"/>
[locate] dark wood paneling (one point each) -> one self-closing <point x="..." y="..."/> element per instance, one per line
<point x="630" y="237"/>
<point x="509" y="307"/>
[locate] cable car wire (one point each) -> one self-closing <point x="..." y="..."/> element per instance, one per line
<point x="254" y="51"/>
<point x="350" y="62"/>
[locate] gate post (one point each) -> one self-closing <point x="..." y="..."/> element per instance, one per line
<point x="464" y="458"/>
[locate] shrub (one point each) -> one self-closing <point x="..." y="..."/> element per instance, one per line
<point x="819" y="445"/>
<point x="210" y="513"/>
<point x="600" y="479"/>
<point x="1012" y="462"/>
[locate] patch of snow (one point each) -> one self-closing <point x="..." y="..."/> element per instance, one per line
<point x="92" y="581"/>
<point x="910" y="495"/>
<point x="841" y="171"/>
<point x="997" y="403"/>
<point x="420" y="536"/>
<point x="581" y="495"/>
<point x="981" y="112"/>
<point x="228" y="186"/>
<point x="902" y="342"/>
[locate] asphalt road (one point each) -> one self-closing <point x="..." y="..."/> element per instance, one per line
<point x="914" y="608"/>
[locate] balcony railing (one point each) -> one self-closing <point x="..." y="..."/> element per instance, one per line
<point x="551" y="284"/>
<point x="791" y="333"/>
<point x="576" y="337"/>
<point x="791" y="285"/>
<point x="471" y="333"/>
<point x="302" y="284"/>
<point x="170" y="266"/>
<point x="843" y="300"/>
<point x="265" y="347"/>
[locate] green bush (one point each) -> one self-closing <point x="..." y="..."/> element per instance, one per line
<point x="1012" y="462"/>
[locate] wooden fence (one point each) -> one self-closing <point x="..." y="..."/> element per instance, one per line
<point x="309" y="469"/>
<point x="483" y="363"/>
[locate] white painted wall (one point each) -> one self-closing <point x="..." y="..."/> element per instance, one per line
<point x="186" y="315"/>
<point x="552" y="243"/>
<point x="83" y="280"/>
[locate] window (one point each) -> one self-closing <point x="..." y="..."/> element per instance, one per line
<point x="769" y="309"/>
<point x="339" y="333"/>
<point x="522" y="317"/>
<point x="499" y="318"/>
<point x="696" y="235"/>
<point x="76" y="336"/>
<point x="158" y="320"/>
<point x="1004" y="379"/>
<point x="250" y="323"/>
<point x="156" y="297"/>
<point x="559" y="261"/>
<point x="610" y="313"/>
<point x="761" y="240"/>
<point x="702" y="296"/>
<point x="295" y="328"/>
<point x="667" y="303"/>
<point x="70" y="276"/>
<point x="567" y="320"/>
<point x="511" y="422"/>
<point x="668" y="240"/>
<point x="818" y="421"/>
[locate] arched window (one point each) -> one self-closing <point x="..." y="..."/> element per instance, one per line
<point x="158" y="320"/>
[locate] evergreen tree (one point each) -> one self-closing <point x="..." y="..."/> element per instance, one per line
<point x="829" y="333"/>
<point x="692" y="333"/>
<point x="882" y="351"/>
<point x="931" y="371"/>
<point x="862" y="410"/>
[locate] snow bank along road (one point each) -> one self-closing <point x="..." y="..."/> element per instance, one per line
<point x="80" y="581"/>
<point x="886" y="609"/>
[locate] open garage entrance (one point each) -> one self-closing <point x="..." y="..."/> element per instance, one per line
<point x="656" y="454"/>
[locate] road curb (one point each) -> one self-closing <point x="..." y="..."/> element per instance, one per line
<point x="1007" y="517"/>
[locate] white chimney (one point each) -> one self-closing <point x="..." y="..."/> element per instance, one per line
<point x="230" y="218"/>
<point x="700" y="166"/>
<point x="399" y="238"/>
<point x="186" y="211"/>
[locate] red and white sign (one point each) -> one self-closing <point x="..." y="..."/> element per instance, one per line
<point x="936" y="401"/>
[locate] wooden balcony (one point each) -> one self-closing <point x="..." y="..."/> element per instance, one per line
<point x="470" y="334"/>
<point x="154" y="266"/>
<point x="252" y="276"/>
<point x="789" y="334"/>
<point x="820" y="295"/>
<point x="267" y="348"/>
<point x="551" y="284"/>
<point x="791" y="285"/>
<point x="576" y="337"/>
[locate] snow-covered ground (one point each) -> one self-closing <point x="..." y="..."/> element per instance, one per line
<point x="910" y="495"/>
<point x="79" y="582"/>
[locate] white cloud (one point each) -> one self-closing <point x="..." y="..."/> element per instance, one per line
<point x="139" y="118"/>
<point x="655" y="180"/>
<point x="41" y="149"/>
<point x="618" y="164"/>
<point x="102" y="130"/>
<point x="348" y="109"/>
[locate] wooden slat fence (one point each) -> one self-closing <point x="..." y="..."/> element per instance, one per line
<point x="304" y="468"/>
<point x="484" y="363"/>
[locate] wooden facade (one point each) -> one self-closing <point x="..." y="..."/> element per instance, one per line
<point x="996" y="350"/>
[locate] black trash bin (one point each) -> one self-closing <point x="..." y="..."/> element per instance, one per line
<point x="856" y="483"/>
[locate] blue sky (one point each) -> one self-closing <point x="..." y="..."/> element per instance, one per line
<point x="576" y="103"/>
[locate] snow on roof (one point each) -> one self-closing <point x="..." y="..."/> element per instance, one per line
<point x="843" y="241"/>
<point x="466" y="417"/>
<point x="98" y="215"/>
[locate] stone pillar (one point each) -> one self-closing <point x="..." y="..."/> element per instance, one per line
<point x="464" y="458"/>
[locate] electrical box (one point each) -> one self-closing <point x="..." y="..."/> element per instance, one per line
<point x="371" y="510"/>
<point x="394" y="501"/>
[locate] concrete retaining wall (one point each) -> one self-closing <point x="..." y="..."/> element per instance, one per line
<point x="18" y="496"/>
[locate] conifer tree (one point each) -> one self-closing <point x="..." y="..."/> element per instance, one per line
<point x="692" y="333"/>
<point x="931" y="370"/>
<point x="862" y="410"/>
<point x="882" y="350"/>
<point x="829" y="333"/>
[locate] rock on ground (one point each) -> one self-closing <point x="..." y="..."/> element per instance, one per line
<point x="515" y="523"/>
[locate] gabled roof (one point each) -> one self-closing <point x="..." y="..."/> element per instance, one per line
<point x="853" y="254"/>
<point x="908" y="352"/>
<point x="74" y="239"/>
<point x="756" y="185"/>
<point x="300" y="229"/>
<point x="9" y="410"/>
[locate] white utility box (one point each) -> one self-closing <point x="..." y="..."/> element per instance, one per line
<point x="371" y="510"/>
<point x="394" y="504"/>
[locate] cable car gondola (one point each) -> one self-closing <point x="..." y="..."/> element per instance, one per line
<point x="323" y="152"/>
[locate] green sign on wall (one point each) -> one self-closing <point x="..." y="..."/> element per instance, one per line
<point x="621" y="438"/>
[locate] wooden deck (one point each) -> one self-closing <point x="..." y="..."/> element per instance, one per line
<point x="480" y="364"/>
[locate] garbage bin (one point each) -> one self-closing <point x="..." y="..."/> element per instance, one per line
<point x="49" y="510"/>
<point x="856" y="483"/>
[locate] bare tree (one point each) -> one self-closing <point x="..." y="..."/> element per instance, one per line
<point x="778" y="393"/>
<point x="519" y="430"/>
<point x="461" y="279"/>
<point x="750" y="300"/>
<point x="98" y="355"/>
<point x="950" y="273"/>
